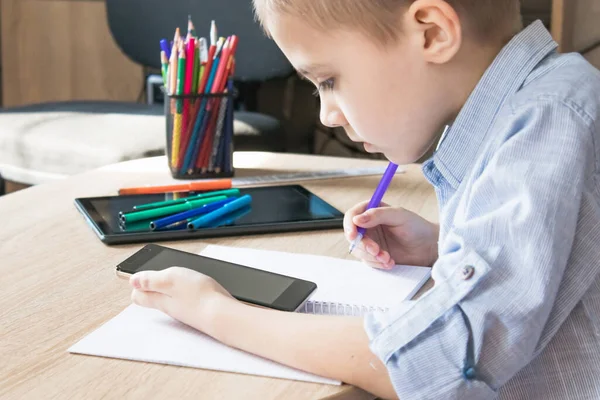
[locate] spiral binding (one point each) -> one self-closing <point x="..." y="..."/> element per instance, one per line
<point x="332" y="308"/>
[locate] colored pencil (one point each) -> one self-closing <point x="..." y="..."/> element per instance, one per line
<point x="213" y="33"/>
<point x="164" y="46"/>
<point x="194" y="130"/>
<point x="201" y="135"/>
<point x="178" y="117"/>
<point x="164" y="63"/>
<point x="191" y="29"/>
<point x="218" y="134"/>
<point x="201" y="122"/>
<point x="189" y="83"/>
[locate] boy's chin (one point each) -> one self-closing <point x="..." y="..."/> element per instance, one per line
<point x="400" y="159"/>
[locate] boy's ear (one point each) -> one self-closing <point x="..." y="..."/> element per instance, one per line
<point x="437" y="28"/>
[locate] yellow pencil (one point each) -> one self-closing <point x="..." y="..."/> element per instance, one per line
<point x="178" y="117"/>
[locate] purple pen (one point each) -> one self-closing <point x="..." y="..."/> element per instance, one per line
<point x="376" y="199"/>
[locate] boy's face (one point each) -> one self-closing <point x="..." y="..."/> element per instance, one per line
<point x="386" y="97"/>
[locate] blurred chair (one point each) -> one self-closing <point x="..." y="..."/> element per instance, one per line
<point x="44" y="142"/>
<point x="138" y="25"/>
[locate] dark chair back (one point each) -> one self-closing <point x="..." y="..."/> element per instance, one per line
<point x="138" y="25"/>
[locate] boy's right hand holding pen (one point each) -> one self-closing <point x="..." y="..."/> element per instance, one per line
<point x="394" y="236"/>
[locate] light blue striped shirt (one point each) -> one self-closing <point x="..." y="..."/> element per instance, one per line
<point x="515" y="310"/>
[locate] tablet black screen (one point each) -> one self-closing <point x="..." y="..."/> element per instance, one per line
<point x="273" y="209"/>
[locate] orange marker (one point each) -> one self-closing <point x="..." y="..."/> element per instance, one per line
<point x="215" y="184"/>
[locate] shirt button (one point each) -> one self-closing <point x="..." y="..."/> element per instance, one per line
<point x="470" y="373"/>
<point x="467" y="272"/>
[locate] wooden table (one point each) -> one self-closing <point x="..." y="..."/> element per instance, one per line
<point x="58" y="283"/>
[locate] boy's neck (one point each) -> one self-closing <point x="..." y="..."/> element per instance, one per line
<point x="466" y="71"/>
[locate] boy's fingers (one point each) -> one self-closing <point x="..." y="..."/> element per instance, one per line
<point x="384" y="257"/>
<point x="154" y="300"/>
<point x="350" y="219"/>
<point x="153" y="281"/>
<point x="359" y="208"/>
<point x="349" y="227"/>
<point x="380" y="216"/>
<point x="376" y="265"/>
<point x="380" y="259"/>
<point x="371" y="247"/>
<point x="370" y="260"/>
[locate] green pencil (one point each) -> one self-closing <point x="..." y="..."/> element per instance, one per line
<point x="165" y="67"/>
<point x="178" y="117"/>
<point x="195" y="76"/>
<point x="227" y="193"/>
<point x="162" y="211"/>
<point x="180" y="78"/>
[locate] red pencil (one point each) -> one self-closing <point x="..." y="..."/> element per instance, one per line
<point x="201" y="89"/>
<point x="218" y="87"/>
<point x="212" y="106"/>
<point x="223" y="60"/>
<point x="233" y="43"/>
<point x="206" y="148"/>
<point x="209" y="63"/>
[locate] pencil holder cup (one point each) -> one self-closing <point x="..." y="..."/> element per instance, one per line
<point x="200" y="135"/>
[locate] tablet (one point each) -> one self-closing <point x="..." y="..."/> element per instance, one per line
<point x="273" y="209"/>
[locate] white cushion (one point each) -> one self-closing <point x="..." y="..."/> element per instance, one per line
<point x="36" y="147"/>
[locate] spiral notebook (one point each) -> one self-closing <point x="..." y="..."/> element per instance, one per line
<point x="344" y="288"/>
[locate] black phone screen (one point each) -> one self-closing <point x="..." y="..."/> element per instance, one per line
<point x="244" y="283"/>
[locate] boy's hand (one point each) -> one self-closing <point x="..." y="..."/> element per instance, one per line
<point x="394" y="236"/>
<point x="182" y="293"/>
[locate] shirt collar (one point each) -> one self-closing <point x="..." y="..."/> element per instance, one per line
<point x="462" y="141"/>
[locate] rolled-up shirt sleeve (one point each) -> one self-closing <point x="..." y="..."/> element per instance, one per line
<point x="500" y="264"/>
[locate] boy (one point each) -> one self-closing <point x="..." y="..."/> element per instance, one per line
<point x="515" y="311"/>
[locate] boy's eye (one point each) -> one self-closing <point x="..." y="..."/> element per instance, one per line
<point x="325" y="85"/>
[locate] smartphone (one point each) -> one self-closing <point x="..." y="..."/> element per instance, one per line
<point x="250" y="285"/>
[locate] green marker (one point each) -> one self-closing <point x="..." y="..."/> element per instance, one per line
<point x="162" y="211"/>
<point x="227" y="193"/>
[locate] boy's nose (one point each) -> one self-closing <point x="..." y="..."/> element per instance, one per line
<point x="332" y="118"/>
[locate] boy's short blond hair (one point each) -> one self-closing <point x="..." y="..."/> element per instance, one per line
<point x="484" y="19"/>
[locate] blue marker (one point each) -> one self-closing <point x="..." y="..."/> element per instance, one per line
<point x="209" y="218"/>
<point x="177" y="226"/>
<point x="171" y="219"/>
<point x="230" y="219"/>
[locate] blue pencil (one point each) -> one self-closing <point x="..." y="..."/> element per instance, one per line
<point x="164" y="46"/>
<point x="219" y="162"/>
<point x="197" y="134"/>
<point x="228" y="145"/>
